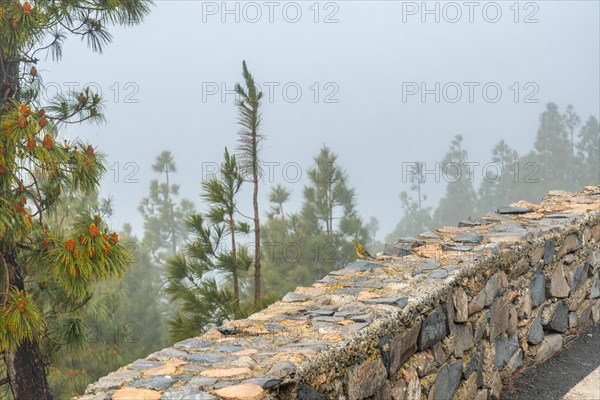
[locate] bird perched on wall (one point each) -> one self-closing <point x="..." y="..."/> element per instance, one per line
<point x="361" y="252"/>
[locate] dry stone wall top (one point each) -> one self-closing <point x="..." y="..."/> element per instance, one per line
<point x="452" y="313"/>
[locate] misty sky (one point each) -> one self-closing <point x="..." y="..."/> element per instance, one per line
<point x="357" y="67"/>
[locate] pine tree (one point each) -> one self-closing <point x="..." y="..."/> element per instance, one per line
<point x="553" y="155"/>
<point x="460" y="199"/>
<point x="164" y="226"/>
<point x="35" y="168"/>
<point x="329" y="216"/>
<point x="417" y="217"/>
<point x="199" y="277"/>
<point x="498" y="186"/>
<point x="221" y="193"/>
<point x="572" y="121"/>
<point x="588" y="152"/>
<point x="250" y="138"/>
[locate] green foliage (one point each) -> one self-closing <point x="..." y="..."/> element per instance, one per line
<point x="199" y="278"/>
<point x="49" y="271"/>
<point x="304" y="246"/>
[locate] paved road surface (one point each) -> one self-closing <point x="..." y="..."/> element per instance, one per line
<point x="558" y="375"/>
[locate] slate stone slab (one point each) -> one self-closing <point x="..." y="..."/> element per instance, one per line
<point x="292" y="297"/>
<point x="578" y="275"/>
<point x="363" y="265"/>
<point x="439" y="274"/>
<point x="512" y="210"/>
<point x="447" y="381"/>
<point x="536" y="330"/>
<point x="397" y="349"/>
<point x="452" y="247"/>
<point x="185" y="393"/>
<point x="433" y="329"/>
<point x="549" y="248"/>
<point x="471" y="239"/>
<point x="506" y="347"/>
<point x="366" y="379"/>
<point x="560" y="318"/>
<point x="392" y="301"/>
<point x="264" y="382"/>
<point x="145" y="364"/>
<point x="229" y="348"/>
<point x="193" y="344"/>
<point x="538" y="289"/>
<point x="472" y="222"/>
<point x="205" y="357"/>
<point x="156" y="383"/>
<point x="321" y="313"/>
<point x="427" y="266"/>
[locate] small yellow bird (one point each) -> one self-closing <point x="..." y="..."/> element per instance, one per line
<point x="361" y="252"/>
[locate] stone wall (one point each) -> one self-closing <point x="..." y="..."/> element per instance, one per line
<point x="453" y="313"/>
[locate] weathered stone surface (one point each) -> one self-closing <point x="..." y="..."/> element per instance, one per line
<point x="193" y="343"/>
<point x="113" y="380"/>
<point x="344" y="334"/>
<point x="397" y="250"/>
<point x="292" y="297"/>
<point x="536" y="255"/>
<point x="537" y="288"/>
<point x="433" y="329"/>
<point x="439" y="274"/>
<point x="396" y="350"/>
<point x="572" y="319"/>
<point x="475" y="365"/>
<point x="498" y="318"/>
<point x="595" y="289"/>
<point x="516" y="361"/>
<point x="494" y="287"/>
<point x="136" y="394"/>
<point x="550" y="345"/>
<point x="560" y="319"/>
<point x="467" y="389"/>
<point x="464" y="338"/>
<point x="242" y="392"/>
<point x="398" y="390"/>
<point x="461" y="305"/>
<point x="596" y="312"/>
<point x="187" y="393"/>
<point x="577" y="276"/>
<point x="571" y="243"/>
<point x="512" y="210"/>
<point x="470" y="239"/>
<point x="447" y="381"/>
<point x="524" y="309"/>
<point x="413" y="391"/>
<point x="549" y="248"/>
<point x="156" y="383"/>
<point x="506" y="347"/>
<point x="557" y="286"/>
<point x="366" y="379"/>
<point x="536" y="331"/>
<point x="224" y="372"/>
<point x="513" y="319"/>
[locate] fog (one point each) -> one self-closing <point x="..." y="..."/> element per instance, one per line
<point x="381" y="83"/>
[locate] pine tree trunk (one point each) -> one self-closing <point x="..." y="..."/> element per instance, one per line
<point x="257" y="243"/>
<point x="27" y="373"/>
<point x="26" y="367"/>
